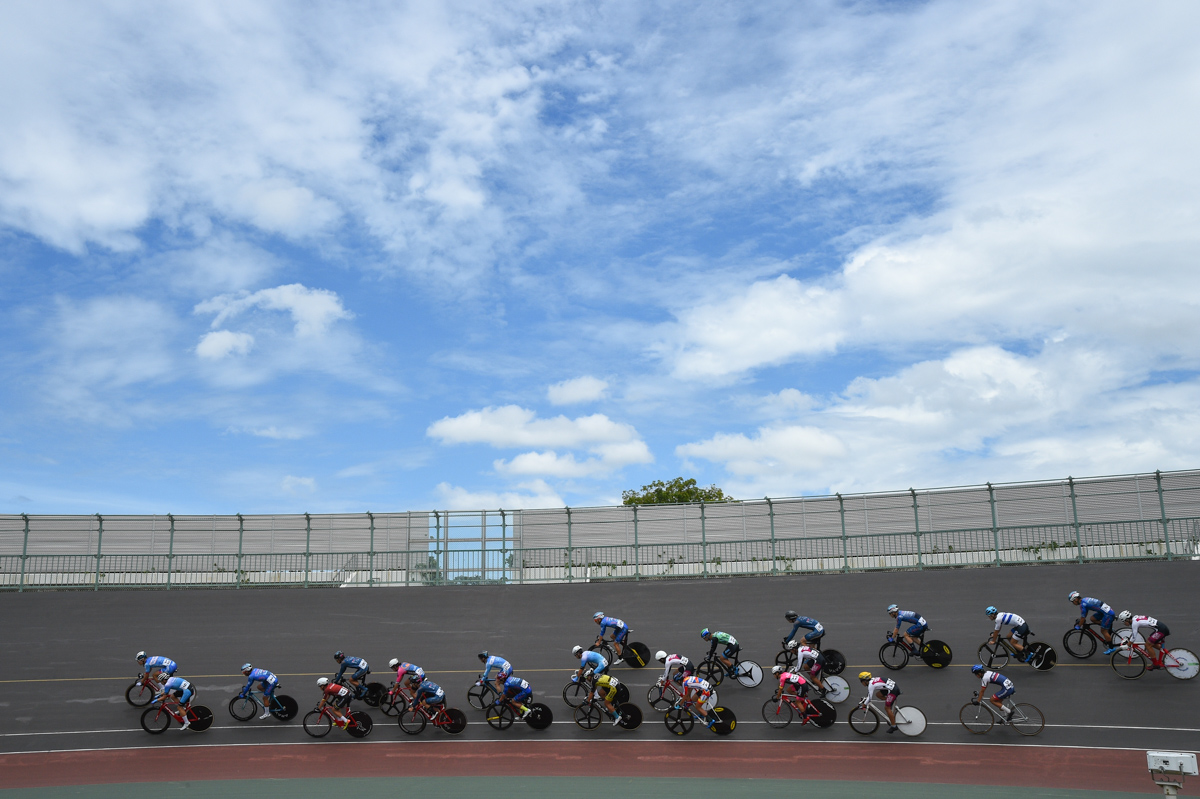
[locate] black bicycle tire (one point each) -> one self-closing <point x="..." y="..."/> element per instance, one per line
<point x="1030" y="713"/>
<point x="317" y="724"/>
<point x="247" y="707"/>
<point x="856" y="719"/>
<point x="992" y="656"/>
<point x="777" y="714"/>
<point x="575" y="693"/>
<point x="145" y="690"/>
<point x="1082" y="635"/>
<point x="893" y="647"/>
<point x="588" y="716"/>
<point x="159" y="723"/>
<point x="1128" y="665"/>
<point x="416" y="721"/>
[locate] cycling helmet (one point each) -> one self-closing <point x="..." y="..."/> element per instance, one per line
<point x="246" y="668"/>
<point x="597" y="616"/>
<point x="777" y="670"/>
<point x="1125" y="616"/>
<point x="1071" y="597"/>
<point x="791" y="615"/>
<point x="141" y="656"/>
<point x="977" y="669"/>
<point x="991" y="611"/>
<point x="893" y="608"/>
<point x="792" y="645"/>
<point x="660" y="656"/>
<point x="323" y="682"/>
<point x="483" y="655"/>
<point x="394" y="664"/>
<point x="705" y="634"/>
<point x="339" y="656"/>
<point x="864" y="675"/>
<point x="162" y="676"/>
<point x="416" y="675"/>
<point x="577" y="651"/>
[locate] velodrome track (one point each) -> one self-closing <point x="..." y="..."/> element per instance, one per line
<point x="69" y="656"/>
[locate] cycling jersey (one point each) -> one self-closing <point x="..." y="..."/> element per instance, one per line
<point x="180" y="687"/>
<point x="358" y="664"/>
<point x="621" y="631"/>
<point x="798" y="684"/>
<point x="878" y="688"/>
<point x="731" y="644"/>
<point x="999" y="679"/>
<point x="1150" y="629"/>
<point x="431" y="692"/>
<point x="808" y="624"/>
<point x="269" y="681"/>
<point x="337" y="695"/>
<point x="416" y="674"/>
<point x="594" y="661"/>
<point x="606" y="688"/>
<point x="806" y="653"/>
<point x="1100" y="610"/>
<point x="911" y="616"/>
<point x="517" y="689"/>
<point x="407" y="668"/>
<point x="1011" y="619"/>
<point x="163" y="664"/>
<point x="503" y="667"/>
<point x="685" y="666"/>
<point x="698" y="684"/>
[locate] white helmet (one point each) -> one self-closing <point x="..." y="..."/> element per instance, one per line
<point x="792" y="645"/>
<point x="323" y="682"/>
<point x="577" y="651"/>
<point x="1125" y="616"/>
<point x="777" y="670"/>
<point x="140" y="656"/>
<point x="393" y="663"/>
<point x="660" y="656"/>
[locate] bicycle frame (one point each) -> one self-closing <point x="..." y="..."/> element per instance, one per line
<point x="801" y="705"/>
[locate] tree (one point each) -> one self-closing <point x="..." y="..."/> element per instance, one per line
<point x="676" y="491"/>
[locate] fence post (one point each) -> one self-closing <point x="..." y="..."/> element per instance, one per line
<point x="1162" y="508"/>
<point x="842" y="513"/>
<point x="241" y="534"/>
<point x="437" y="546"/>
<point x="99" y="546"/>
<point x="307" y="546"/>
<point x="771" y="515"/>
<point x="483" y="545"/>
<point x="24" y="552"/>
<point x="569" y="554"/>
<point x="995" y="527"/>
<point x="371" y="551"/>
<point x="703" y="543"/>
<point x="1075" y="517"/>
<point x="504" y="546"/>
<point x="637" y="552"/>
<point x="170" y="550"/>
<point x="917" y="523"/>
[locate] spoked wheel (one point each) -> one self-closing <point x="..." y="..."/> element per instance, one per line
<point x="481" y="696"/>
<point x="139" y="695"/>
<point x="243" y="708"/>
<point x="993" y="656"/>
<point x="284" y="708"/>
<point x="936" y="654"/>
<point x="155" y="720"/>
<point x="1044" y="657"/>
<point x="725" y="722"/>
<point x="828" y="713"/>
<point x="540" y="717"/>
<point x="893" y="655"/>
<point x="362" y="725"/>
<point x="393" y="704"/>
<point x="679" y="721"/>
<point x="777" y="713"/>
<point x="863" y="721"/>
<point x="631" y="716"/>
<point x="910" y="721"/>
<point x="1181" y="663"/>
<point x="1128" y="663"/>
<point x="575" y="693"/>
<point x="835" y="661"/>
<point x="457" y="722"/>
<point x="412" y="721"/>
<point x="201" y="718"/>
<point x="660" y="698"/>
<point x="1027" y="720"/>
<point x="712" y="671"/>
<point x="500" y="716"/>
<point x="317" y="724"/>
<point x="976" y="718"/>
<point x="749" y="674"/>
<point x="588" y="716"/>
<point x="1079" y="644"/>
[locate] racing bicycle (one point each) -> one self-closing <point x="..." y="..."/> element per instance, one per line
<point x="158" y="717"/>
<point x="501" y="714"/>
<point x="835" y="661"/>
<point x="1131" y="659"/>
<point x="664" y="694"/>
<point x="244" y="708"/>
<point x="682" y="717"/>
<point x="142" y="692"/>
<point x="996" y="656"/>
<point x="576" y="692"/>
<point x="896" y="652"/>
<point x="482" y="694"/>
<point x="320" y="720"/>
<point x="592" y="712"/>
<point x="396" y="699"/>
<point x="746" y="672"/>
<point x="980" y="714"/>
<point x="417" y="715"/>
<point x="1080" y="641"/>
<point x="779" y="711"/>
<point x="371" y="693"/>
<point x="866" y="717"/>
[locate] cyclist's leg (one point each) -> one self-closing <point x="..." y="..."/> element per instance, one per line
<point x="890" y="710"/>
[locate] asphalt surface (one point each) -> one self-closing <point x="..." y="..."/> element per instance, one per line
<point x="70" y="655"/>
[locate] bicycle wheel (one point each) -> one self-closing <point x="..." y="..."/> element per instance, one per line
<point x="749" y="674"/>
<point x="317" y="724"/>
<point x="936" y="654"/>
<point x="660" y="698"/>
<point x="835" y="662"/>
<point x="839" y="690"/>
<point x="725" y="721"/>
<point x="863" y="720"/>
<point x="575" y="694"/>
<point x="457" y="722"/>
<point x="362" y="725"/>
<point x="893" y="655"/>
<point x="412" y="721"/>
<point x="393" y="704"/>
<point x="243" y="708"/>
<point x="374" y="694"/>
<point x="993" y="656"/>
<point x="480" y="696"/>
<point x="679" y="721"/>
<point x="540" y="717"/>
<point x="1044" y="657"/>
<point x="637" y="654"/>
<point x="828" y="713"/>
<point x="1027" y="719"/>
<point x="631" y="716"/>
<point x="712" y="671"/>
<point x="155" y="720"/>
<point x="1129" y="663"/>
<point x="500" y="716"/>
<point x="606" y="650"/>
<point x="1124" y="634"/>
<point x="976" y="718"/>
<point x="910" y="720"/>
<point x="1079" y="644"/>
<point x="588" y="716"/>
<point x="284" y="708"/>
<point x="139" y="695"/>
<point x="201" y="718"/>
<point x="622" y="694"/>
<point x="785" y="658"/>
<point x="777" y="713"/>
<point x="1181" y="663"/>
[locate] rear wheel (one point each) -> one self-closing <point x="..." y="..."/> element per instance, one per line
<point x="540" y="717"/>
<point x="457" y="722"/>
<point x="631" y="716"/>
<point x="1181" y="663"/>
<point x="679" y="721"/>
<point x="1027" y="720"/>
<point x="749" y="674"/>
<point x="993" y="656"/>
<point x="284" y="708"/>
<point x="838" y="691"/>
<point x="910" y="721"/>
<point x="828" y="713"/>
<point x="835" y="661"/>
<point x="777" y="713"/>
<point x="243" y="708"/>
<point x="317" y="724"/>
<point x="139" y="695"/>
<point x="500" y="716"/>
<point x="1079" y="644"/>
<point x="622" y="694"/>
<point x="936" y="654"/>
<point x="1128" y="663"/>
<point x="976" y="718"/>
<point x="411" y="721"/>
<point x="637" y="654"/>
<point x="575" y="694"/>
<point x="893" y="655"/>
<point x="725" y="721"/>
<point x="375" y="693"/>
<point x="362" y="725"/>
<point x="863" y="721"/>
<point x="155" y="720"/>
<point x="588" y="716"/>
<point x="201" y="718"/>
<point x="1044" y="656"/>
<point x="479" y="696"/>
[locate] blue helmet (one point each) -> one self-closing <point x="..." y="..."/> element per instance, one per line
<point x="339" y="656"/>
<point x="977" y="669"/>
<point x="247" y="668"/>
<point x="598" y="615"/>
<point x="991" y="611"/>
<point x="705" y="633"/>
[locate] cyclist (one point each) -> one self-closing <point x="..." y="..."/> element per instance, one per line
<point x="806" y="655"/>
<point x="336" y="698"/>
<point x="429" y="693"/>
<point x="620" y="630"/>
<point x="790" y="682"/>
<point x="685" y="667"/>
<point x="403" y="668"/>
<point x="606" y="690"/>
<point x="1006" y="687"/>
<point x="517" y="691"/>
<point x="503" y="669"/>
<point x="1016" y="636"/>
<point x="181" y="689"/>
<point x="588" y="660"/>
<point x="879" y="688"/>
<point x="812" y="625"/>
<point x="697" y="690"/>
<point x="360" y="671"/>
<point x="1152" y="631"/>
<point x="269" y="683"/>
<point x="919" y="625"/>
<point x="159" y="664"/>
<point x="1101" y="613"/>
<point x="731" y="648"/>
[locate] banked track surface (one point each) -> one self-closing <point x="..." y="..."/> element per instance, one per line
<point x="70" y="654"/>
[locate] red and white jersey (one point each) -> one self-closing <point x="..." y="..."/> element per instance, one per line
<point x="878" y="687"/>
<point x="806" y="653"/>
<point x="335" y="691"/>
<point x="673" y="661"/>
<point x="1140" y="623"/>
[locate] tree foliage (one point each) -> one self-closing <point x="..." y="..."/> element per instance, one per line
<point x="676" y="491"/>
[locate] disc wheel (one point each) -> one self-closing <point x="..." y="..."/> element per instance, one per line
<point x="139" y="695"/>
<point x="893" y="655"/>
<point x="317" y="724"/>
<point x="1128" y="663"/>
<point x="828" y="713"/>
<point x="637" y="654"/>
<point x="374" y="695"/>
<point x="1079" y="644"/>
<point x="411" y="721"/>
<point x="835" y="662"/>
<point x="936" y="654"/>
<point x="201" y="718"/>
<point x="863" y="721"/>
<point x="839" y="690"/>
<point x="910" y="720"/>
<point x="575" y="694"/>
<point x="362" y="725"/>
<point x="749" y="674"/>
<point x="588" y="716"/>
<point x="243" y="708"/>
<point x="1181" y="663"/>
<point x="993" y="656"/>
<point x="155" y="720"/>
<point x="457" y="722"/>
<point x="1044" y="657"/>
<point x="725" y="721"/>
<point x="622" y="694"/>
<point x="976" y="718"/>
<point x="777" y="714"/>
<point x="679" y="721"/>
<point x="631" y="716"/>
<point x="1027" y="720"/>
<point x="540" y="717"/>
<point x="481" y="696"/>
<point x="284" y="708"/>
<point x="500" y="716"/>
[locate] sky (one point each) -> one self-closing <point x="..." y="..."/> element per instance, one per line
<point x="271" y="257"/>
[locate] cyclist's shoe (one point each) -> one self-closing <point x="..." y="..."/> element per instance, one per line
<point x="1111" y="649"/>
<point x="1028" y="657"/>
<point x="617" y="719"/>
<point x="265" y="714"/>
<point x="525" y="713"/>
<point x="709" y="723"/>
<point x="186" y="723"/>
<point x="892" y="728"/>
<point x="1008" y="716"/>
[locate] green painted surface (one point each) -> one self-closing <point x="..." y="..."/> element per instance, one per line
<point x="545" y="788"/>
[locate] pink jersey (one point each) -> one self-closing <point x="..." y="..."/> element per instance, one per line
<point x="788" y="678"/>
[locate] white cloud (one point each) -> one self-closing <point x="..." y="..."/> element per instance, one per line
<point x="298" y="486"/>
<point x="534" y="494"/>
<point x="580" y="389"/>
<point x="221" y="343"/>
<point x="312" y="310"/>
<point x="610" y="458"/>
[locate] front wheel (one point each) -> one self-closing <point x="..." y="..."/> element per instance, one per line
<point x="1027" y="719"/>
<point x="993" y="656"/>
<point x="588" y="716"/>
<point x="976" y="718"/>
<point x="1181" y="663"/>
<point x="575" y="693"/>
<point x="411" y="721"/>
<point x="679" y="721"/>
<point x="139" y="695"/>
<point x="317" y="724"/>
<point x="500" y="716"/>
<point x="243" y="708"/>
<point x="1129" y="663"/>
<point x="785" y="658"/>
<point x="1079" y="644"/>
<point x="480" y="695"/>
<point x="156" y="720"/>
<point x="660" y="698"/>
<point x="777" y="713"/>
<point x="712" y="671"/>
<point x="393" y="704"/>
<point x="863" y="720"/>
<point x="893" y="655"/>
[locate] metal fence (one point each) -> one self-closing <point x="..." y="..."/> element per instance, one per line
<point x="1127" y="517"/>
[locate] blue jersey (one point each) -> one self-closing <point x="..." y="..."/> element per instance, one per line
<point x="177" y="684"/>
<point x="594" y="661"/>
<point x="1092" y="604"/>
<point x="268" y="680"/>
<point x="358" y="664"/>
<point x="910" y="616"/>
<point x="430" y="692"/>
<point x="994" y="676"/>
<point x="806" y="623"/>
<point x="515" y="686"/>
<point x="502" y="666"/>
<point x="161" y="663"/>
<point x="608" y="622"/>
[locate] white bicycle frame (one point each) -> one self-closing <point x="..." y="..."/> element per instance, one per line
<point x="877" y="707"/>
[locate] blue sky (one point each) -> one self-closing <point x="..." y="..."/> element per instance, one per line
<point x="277" y="257"/>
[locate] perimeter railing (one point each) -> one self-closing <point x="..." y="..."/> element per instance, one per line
<point x="1125" y="517"/>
